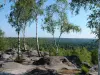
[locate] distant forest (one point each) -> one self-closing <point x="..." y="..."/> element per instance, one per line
<point x="66" y="43"/>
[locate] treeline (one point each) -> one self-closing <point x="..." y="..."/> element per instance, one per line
<point x="49" y="42"/>
<point x="87" y="52"/>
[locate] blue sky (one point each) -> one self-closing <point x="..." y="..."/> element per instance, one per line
<point x="79" y="20"/>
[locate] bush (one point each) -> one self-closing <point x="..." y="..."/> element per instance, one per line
<point x="63" y="52"/>
<point x="94" y="56"/>
<point x="3" y="41"/>
<point x="77" y="74"/>
<point x="84" y="69"/>
<point x="83" y="54"/>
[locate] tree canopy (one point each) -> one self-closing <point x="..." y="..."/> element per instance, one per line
<point x="86" y="4"/>
<point x="1" y="33"/>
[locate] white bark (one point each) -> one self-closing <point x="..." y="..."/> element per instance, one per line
<point x="55" y="42"/>
<point x="24" y="45"/>
<point x="18" y="44"/>
<point x="99" y="59"/>
<point x="24" y="41"/>
<point x="58" y="43"/>
<point x="99" y="52"/>
<point x="37" y="43"/>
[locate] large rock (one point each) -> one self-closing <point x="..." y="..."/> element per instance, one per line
<point x="75" y="60"/>
<point x="35" y="58"/>
<point x="6" y="57"/>
<point x="26" y="60"/>
<point x="93" y="73"/>
<point x="29" y="60"/>
<point x="16" y="68"/>
<point x="94" y="68"/>
<point x="44" y="54"/>
<point x="1" y="63"/>
<point x="31" y="53"/>
<point x="55" y="62"/>
<point x="11" y="51"/>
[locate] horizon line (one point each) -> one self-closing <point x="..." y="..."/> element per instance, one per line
<point x="51" y="37"/>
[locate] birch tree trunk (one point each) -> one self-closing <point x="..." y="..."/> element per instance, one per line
<point x="58" y="43"/>
<point x="24" y="40"/>
<point x="99" y="59"/>
<point x="24" y="45"/>
<point x="99" y="52"/>
<point x="37" y="43"/>
<point x="18" y="45"/>
<point x="55" y="43"/>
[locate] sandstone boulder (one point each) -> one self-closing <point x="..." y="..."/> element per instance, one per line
<point x="55" y="62"/>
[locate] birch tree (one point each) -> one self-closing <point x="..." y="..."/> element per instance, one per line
<point x="93" y="19"/>
<point x="27" y="17"/>
<point x="64" y="25"/>
<point x="56" y="18"/>
<point x="94" y="25"/>
<point x="50" y="24"/>
<point x="37" y="11"/>
<point x="15" y="20"/>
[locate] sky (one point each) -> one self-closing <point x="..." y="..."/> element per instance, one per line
<point x="80" y="20"/>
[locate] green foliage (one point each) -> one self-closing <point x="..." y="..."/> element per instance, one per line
<point x="94" y="55"/>
<point x="49" y="22"/>
<point x="14" y="17"/>
<point x="61" y="23"/>
<point x="58" y="10"/>
<point x="93" y="19"/>
<point x="63" y="52"/>
<point x="12" y="42"/>
<point x="83" y="54"/>
<point x="20" y="14"/>
<point x="77" y="74"/>
<point x="37" y="9"/>
<point x="3" y="41"/>
<point x="94" y="22"/>
<point x="53" y="51"/>
<point x="3" y="44"/>
<point x="76" y="5"/>
<point x="1" y="33"/>
<point x="84" y="69"/>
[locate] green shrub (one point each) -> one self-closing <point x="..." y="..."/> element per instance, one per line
<point x="84" y="70"/>
<point x="52" y="51"/>
<point x="3" y="41"/>
<point x="77" y="74"/>
<point x="83" y="54"/>
<point x="94" y="56"/>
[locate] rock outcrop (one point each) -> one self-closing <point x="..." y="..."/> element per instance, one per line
<point x="55" y="62"/>
<point x="15" y="68"/>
